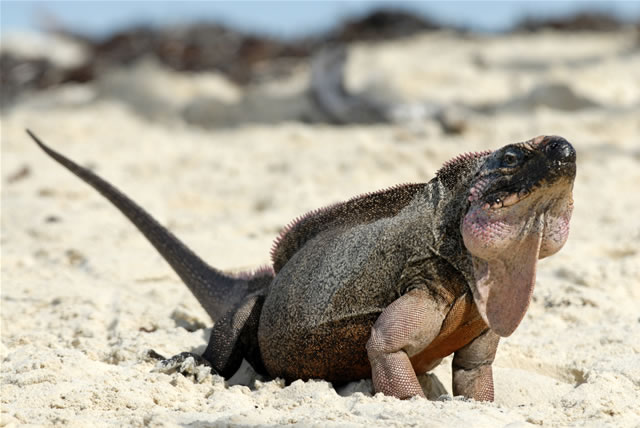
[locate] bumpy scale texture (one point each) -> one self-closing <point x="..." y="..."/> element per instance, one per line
<point x="386" y="284"/>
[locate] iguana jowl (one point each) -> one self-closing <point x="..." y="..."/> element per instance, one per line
<point x="388" y="283"/>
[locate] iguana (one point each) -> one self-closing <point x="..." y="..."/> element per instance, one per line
<point x="386" y="284"/>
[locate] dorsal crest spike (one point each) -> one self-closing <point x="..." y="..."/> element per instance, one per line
<point x="324" y="216"/>
<point x="265" y="270"/>
<point x="452" y="163"/>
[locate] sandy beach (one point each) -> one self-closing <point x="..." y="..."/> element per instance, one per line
<point x="84" y="296"/>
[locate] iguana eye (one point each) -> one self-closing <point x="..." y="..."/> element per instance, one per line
<point x="510" y="159"/>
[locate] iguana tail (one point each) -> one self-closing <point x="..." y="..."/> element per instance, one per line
<point x="217" y="292"/>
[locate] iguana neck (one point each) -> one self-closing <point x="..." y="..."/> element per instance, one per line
<point x="445" y="202"/>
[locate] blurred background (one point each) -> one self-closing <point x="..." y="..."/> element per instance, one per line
<point x="302" y="49"/>
<point x="287" y="19"/>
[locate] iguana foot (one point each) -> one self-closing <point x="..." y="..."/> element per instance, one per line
<point x="185" y="363"/>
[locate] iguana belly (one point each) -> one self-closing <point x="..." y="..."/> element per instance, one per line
<point x="461" y="325"/>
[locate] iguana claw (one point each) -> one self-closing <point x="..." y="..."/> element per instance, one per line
<point x="185" y="363"/>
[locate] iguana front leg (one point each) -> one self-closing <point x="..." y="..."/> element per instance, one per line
<point x="471" y="367"/>
<point x="404" y="328"/>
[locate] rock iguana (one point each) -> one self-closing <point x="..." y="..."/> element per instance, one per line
<point x="386" y="284"/>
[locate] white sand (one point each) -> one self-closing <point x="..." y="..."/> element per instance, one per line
<point x="84" y="296"/>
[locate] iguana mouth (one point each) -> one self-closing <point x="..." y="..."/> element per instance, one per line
<point x="497" y="199"/>
<point x="507" y="201"/>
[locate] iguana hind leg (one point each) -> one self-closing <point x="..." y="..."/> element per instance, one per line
<point x="403" y="329"/>
<point x="233" y="337"/>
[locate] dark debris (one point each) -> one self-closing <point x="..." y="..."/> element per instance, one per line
<point x="238" y="55"/>
<point x="198" y="47"/>
<point x="23" y="172"/>
<point x="584" y="21"/>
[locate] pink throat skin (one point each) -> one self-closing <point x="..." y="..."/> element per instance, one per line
<point x="490" y="229"/>
<point x="505" y="239"/>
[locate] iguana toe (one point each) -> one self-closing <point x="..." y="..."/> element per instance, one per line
<point x="186" y="363"/>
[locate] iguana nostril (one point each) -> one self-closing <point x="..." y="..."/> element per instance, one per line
<point x="560" y="149"/>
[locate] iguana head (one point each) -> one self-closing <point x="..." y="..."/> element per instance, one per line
<point x="520" y="204"/>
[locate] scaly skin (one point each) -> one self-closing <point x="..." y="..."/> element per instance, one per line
<point x="389" y="283"/>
